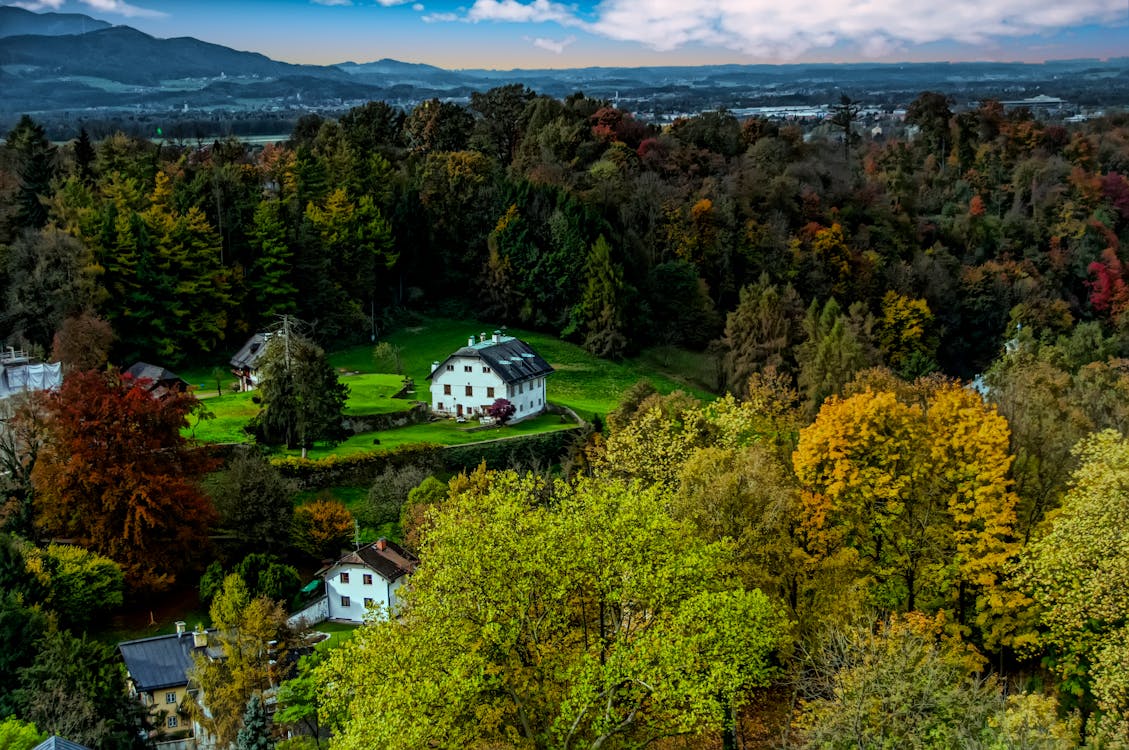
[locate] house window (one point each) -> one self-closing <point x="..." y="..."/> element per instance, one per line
<point x="521" y="387"/>
<point x="440" y="406"/>
<point x="489" y="391"/>
<point x="368" y="602"/>
<point x="170" y="697"/>
<point x="447" y="389"/>
<point x="345" y="601"/>
<point x="367" y="579"/>
<point x="450" y="368"/>
<point x="172" y="722"/>
<point x="344" y="578"/>
<point x="486" y="370"/>
<point x="468" y="368"/>
<point x="470" y="390"/>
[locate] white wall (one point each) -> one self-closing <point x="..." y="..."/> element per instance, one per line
<point x="459" y="379"/>
<point x="357" y="591"/>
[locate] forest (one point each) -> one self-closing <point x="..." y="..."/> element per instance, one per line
<point x="901" y="523"/>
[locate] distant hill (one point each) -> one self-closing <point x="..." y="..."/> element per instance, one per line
<point x="67" y="67"/>
<point x="126" y="55"/>
<point x="18" y="22"/>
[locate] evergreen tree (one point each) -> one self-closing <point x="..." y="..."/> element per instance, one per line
<point x="302" y="399"/>
<point x="255" y="734"/>
<point x="601" y="310"/>
<point x="36" y="166"/>
<point x="84" y="156"/>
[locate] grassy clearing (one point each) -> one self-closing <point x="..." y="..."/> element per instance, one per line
<point x="587" y="384"/>
<point x="447" y="432"/>
<point x="339" y="632"/>
<point x="368" y="394"/>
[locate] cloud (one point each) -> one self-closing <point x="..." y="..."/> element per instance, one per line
<point x="332" y="2"/>
<point x="418" y="7"/>
<point x="117" y="7"/>
<point x="390" y="3"/>
<point x="553" y="45"/>
<point x="537" y="11"/>
<point x="774" y="29"/>
<point x="441" y="17"/>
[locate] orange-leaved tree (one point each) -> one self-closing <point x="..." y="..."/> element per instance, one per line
<point x="921" y="493"/>
<point x="117" y="476"/>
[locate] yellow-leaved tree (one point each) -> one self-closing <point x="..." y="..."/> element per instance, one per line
<point x="920" y="493"/>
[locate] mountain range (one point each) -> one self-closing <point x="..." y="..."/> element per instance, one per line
<point x="73" y="66"/>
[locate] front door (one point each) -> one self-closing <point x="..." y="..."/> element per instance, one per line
<point x="458" y="410"/>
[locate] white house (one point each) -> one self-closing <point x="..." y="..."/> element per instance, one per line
<point x="470" y="380"/>
<point x="367" y="578"/>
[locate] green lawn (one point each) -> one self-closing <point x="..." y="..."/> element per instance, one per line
<point x="446" y="432"/>
<point x="369" y="393"/>
<point x="339" y="632"/>
<point x="585" y="383"/>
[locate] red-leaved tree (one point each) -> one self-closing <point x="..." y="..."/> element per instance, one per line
<point x="116" y="476"/>
<point x="501" y="410"/>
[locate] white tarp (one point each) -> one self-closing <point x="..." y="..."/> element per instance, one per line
<point x="24" y="377"/>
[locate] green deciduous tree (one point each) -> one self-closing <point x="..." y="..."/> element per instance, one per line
<point x="76" y="688"/>
<point x="1079" y="573"/>
<point x="905" y="685"/>
<point x="19" y="735"/>
<point x="50" y="276"/>
<point x="591" y="620"/>
<point x="255" y="503"/>
<point x="298" y="703"/>
<point x="78" y="584"/>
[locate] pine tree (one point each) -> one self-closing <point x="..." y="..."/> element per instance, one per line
<point x="36" y="166"/>
<point x="255" y="733"/>
<point x="301" y="396"/>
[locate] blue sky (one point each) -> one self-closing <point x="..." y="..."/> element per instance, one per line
<point x="550" y="34"/>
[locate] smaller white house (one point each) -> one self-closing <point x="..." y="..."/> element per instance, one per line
<point x="366" y="581"/>
<point x="468" y="382"/>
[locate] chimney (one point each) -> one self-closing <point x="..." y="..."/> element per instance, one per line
<point x="482" y="337"/>
<point x="179" y="628"/>
<point x="381" y="544"/>
<point x="470" y="341"/>
<point x="199" y="637"/>
<point x="435" y="365"/>
<point x="497" y="336"/>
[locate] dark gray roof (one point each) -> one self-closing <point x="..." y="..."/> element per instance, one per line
<point x="55" y="742"/>
<point x="387" y="558"/>
<point x="512" y="359"/>
<point x="157" y="375"/>
<point x="249" y="355"/>
<point x="159" y="662"/>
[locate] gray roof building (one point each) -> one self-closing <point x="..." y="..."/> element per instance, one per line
<point x="251" y="352"/>
<point x="162" y="661"/>
<point x="512" y="359"/>
<point x="55" y="742"/>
